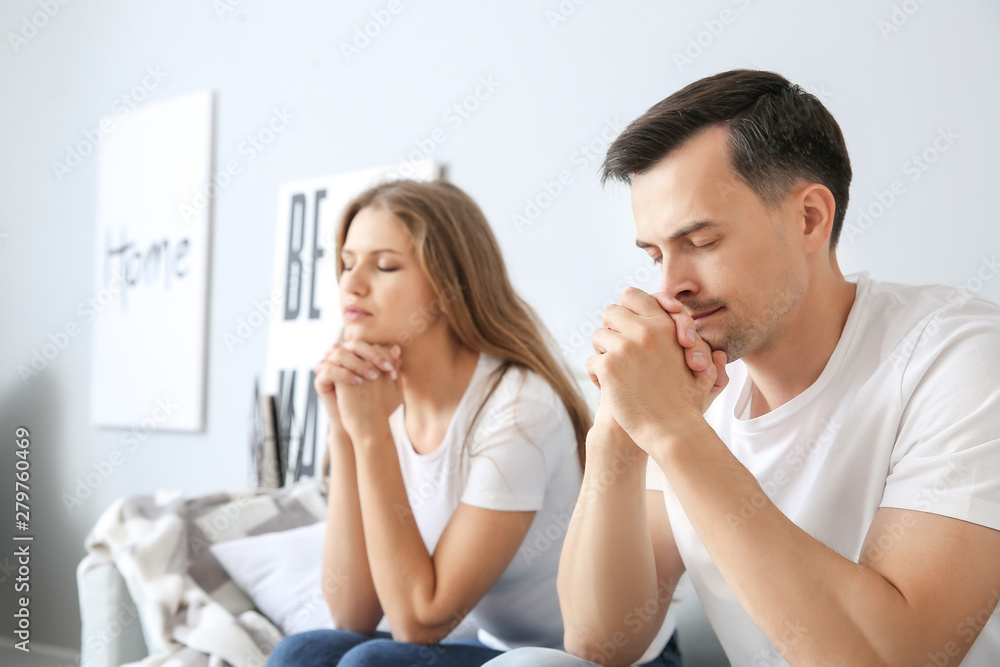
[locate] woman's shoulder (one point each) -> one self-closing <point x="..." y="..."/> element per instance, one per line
<point x="523" y="410"/>
<point x="519" y="388"/>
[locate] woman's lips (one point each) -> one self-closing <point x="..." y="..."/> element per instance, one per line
<point x="353" y="313"/>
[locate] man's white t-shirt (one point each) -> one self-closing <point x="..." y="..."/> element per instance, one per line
<point x="521" y="455"/>
<point x="906" y="414"/>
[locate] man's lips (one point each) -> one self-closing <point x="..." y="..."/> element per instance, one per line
<point x="699" y="318"/>
<point x="353" y="313"/>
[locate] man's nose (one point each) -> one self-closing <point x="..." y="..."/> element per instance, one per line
<point x="676" y="278"/>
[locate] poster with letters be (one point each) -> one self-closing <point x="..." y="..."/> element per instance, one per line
<point x="305" y="317"/>
<point x="151" y="269"/>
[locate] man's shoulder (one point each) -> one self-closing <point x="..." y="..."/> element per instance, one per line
<point x="929" y="299"/>
<point x="923" y="327"/>
<point x="904" y="314"/>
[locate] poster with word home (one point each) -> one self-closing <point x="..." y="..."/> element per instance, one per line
<point x="304" y="306"/>
<point x="151" y="269"/>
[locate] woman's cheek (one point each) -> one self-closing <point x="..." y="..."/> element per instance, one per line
<point x="418" y="322"/>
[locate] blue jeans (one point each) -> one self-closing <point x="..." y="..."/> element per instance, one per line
<point x="327" y="648"/>
<point x="547" y="657"/>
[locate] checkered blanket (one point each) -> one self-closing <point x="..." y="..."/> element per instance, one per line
<point x="192" y="613"/>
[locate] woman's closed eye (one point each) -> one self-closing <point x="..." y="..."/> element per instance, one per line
<point x="386" y="268"/>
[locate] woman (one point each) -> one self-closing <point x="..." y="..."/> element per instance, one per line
<point x="456" y="444"/>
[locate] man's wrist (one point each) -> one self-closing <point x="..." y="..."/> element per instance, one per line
<point x="606" y="434"/>
<point x="609" y="447"/>
<point x="666" y="440"/>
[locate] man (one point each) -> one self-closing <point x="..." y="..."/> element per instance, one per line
<point x="839" y="502"/>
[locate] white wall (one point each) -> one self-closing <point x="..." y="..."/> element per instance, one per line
<point x="558" y="88"/>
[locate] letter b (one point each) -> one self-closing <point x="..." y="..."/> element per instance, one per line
<point x="104" y="468"/>
<point x="939" y="658"/>
<point x="567" y="8"/>
<point x="531" y="210"/>
<point x="264" y="307"/>
<point x="60" y="339"/>
<point x="28" y="29"/>
<point x="426" y="146"/>
<point x="714" y="26"/>
<point x="50" y="7"/>
<point x="898" y="17"/>
<point x="93" y="136"/>
<point x="82" y="491"/>
<point x="553" y="188"/>
<point x="693" y="49"/>
<point x="361" y="40"/>
<point x="885" y="197"/>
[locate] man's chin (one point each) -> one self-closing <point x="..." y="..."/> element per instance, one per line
<point x="725" y="345"/>
<point x="731" y="357"/>
<point x="713" y="341"/>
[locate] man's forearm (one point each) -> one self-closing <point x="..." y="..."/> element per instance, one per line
<point x="814" y="605"/>
<point x="607" y="567"/>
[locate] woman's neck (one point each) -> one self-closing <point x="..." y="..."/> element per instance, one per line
<point x="435" y="372"/>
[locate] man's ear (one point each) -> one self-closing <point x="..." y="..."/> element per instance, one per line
<point x="818" y="208"/>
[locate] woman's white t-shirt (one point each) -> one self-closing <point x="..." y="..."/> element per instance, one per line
<point x="520" y="455"/>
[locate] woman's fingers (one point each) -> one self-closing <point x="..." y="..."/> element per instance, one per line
<point x="379" y="356"/>
<point x="364" y="360"/>
<point x="330" y="373"/>
<point x="339" y="358"/>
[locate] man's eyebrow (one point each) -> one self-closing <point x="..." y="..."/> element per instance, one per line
<point x="681" y="233"/>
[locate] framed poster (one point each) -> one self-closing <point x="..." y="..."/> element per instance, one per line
<point x="306" y="319"/>
<point x="151" y="269"/>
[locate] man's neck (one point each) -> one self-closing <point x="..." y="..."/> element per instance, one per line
<point x="796" y="357"/>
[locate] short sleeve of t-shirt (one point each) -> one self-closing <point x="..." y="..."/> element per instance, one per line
<point x="946" y="459"/>
<point x="654" y="476"/>
<point x="522" y="432"/>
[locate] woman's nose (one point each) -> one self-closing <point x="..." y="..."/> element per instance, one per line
<point x="354" y="281"/>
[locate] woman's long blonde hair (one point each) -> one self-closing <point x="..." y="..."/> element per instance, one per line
<point x="460" y="256"/>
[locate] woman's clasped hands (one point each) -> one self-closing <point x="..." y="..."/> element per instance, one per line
<point x="358" y="384"/>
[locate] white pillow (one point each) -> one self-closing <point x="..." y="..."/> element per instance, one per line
<point x="281" y="572"/>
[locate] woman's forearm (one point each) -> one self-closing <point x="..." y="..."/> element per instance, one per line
<point x="347" y="579"/>
<point x="402" y="570"/>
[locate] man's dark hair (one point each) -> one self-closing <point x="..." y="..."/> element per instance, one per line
<point x="778" y="132"/>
